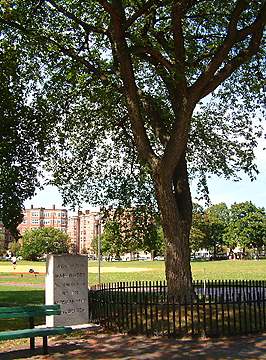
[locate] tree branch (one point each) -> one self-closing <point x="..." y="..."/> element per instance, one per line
<point x="164" y="75"/>
<point x="177" y="14"/>
<point x="87" y="27"/>
<point x="155" y="54"/>
<point x="131" y="91"/>
<point x="179" y="50"/>
<point x="144" y="10"/>
<point x="234" y="64"/>
<point x="241" y="5"/>
<point x="66" y="51"/>
<point x="198" y="90"/>
<point x="107" y="6"/>
<point x="157" y="122"/>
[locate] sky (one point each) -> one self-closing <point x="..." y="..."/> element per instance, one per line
<point x="220" y="190"/>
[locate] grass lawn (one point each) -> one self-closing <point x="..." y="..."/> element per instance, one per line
<point x="11" y="279"/>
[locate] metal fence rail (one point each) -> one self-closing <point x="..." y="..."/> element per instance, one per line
<point x="216" y="308"/>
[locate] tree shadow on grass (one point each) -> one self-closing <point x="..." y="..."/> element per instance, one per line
<point x="22" y="297"/>
<point x="116" y="346"/>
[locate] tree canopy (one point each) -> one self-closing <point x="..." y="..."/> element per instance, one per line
<point x="247" y="226"/>
<point x="80" y="75"/>
<point x="39" y="242"/>
<point x="23" y="133"/>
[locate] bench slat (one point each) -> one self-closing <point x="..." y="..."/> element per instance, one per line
<point x="27" y="333"/>
<point x="29" y="311"/>
<point x="17" y="309"/>
<point x="29" y="314"/>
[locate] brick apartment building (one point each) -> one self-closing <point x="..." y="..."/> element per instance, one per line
<point x="73" y="231"/>
<point x="35" y="218"/>
<point x="83" y="228"/>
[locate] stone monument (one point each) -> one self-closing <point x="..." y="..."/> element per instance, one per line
<point x="66" y="283"/>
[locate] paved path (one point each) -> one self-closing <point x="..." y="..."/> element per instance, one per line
<point x="103" y="346"/>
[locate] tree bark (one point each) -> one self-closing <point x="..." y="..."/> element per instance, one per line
<point x="174" y="201"/>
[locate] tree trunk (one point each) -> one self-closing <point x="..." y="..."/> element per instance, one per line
<point x="174" y="201"/>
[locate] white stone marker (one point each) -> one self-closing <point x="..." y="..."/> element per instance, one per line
<point x="66" y="283"/>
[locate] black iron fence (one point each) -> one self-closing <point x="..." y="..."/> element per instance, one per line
<point x="215" y="308"/>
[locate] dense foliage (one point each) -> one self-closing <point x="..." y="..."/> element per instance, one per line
<point x="39" y="242"/>
<point x="243" y="225"/>
<point x="216" y="228"/>
<point x="23" y="133"/>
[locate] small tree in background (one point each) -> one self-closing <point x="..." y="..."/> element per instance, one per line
<point x="198" y="236"/>
<point x="217" y="219"/>
<point x="39" y="242"/>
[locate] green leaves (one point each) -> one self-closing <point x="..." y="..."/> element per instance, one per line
<point x="43" y="241"/>
<point x="247" y="226"/>
<point x="242" y="225"/>
<point x="64" y="64"/>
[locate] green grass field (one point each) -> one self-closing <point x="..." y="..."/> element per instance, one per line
<point x="11" y="279"/>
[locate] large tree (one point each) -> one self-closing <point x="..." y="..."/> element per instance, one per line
<point x="130" y="77"/>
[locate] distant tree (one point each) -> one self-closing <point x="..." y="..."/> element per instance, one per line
<point x="153" y="241"/>
<point x="42" y="241"/>
<point x="84" y="250"/>
<point x="247" y="226"/>
<point x="2" y="248"/>
<point x="111" y="240"/>
<point x="73" y="248"/>
<point x="130" y="230"/>
<point x="198" y="236"/>
<point x="216" y="220"/>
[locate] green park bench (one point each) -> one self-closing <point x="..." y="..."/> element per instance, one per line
<point x="31" y="312"/>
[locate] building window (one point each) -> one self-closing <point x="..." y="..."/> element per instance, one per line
<point x="35" y="221"/>
<point x="35" y="213"/>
